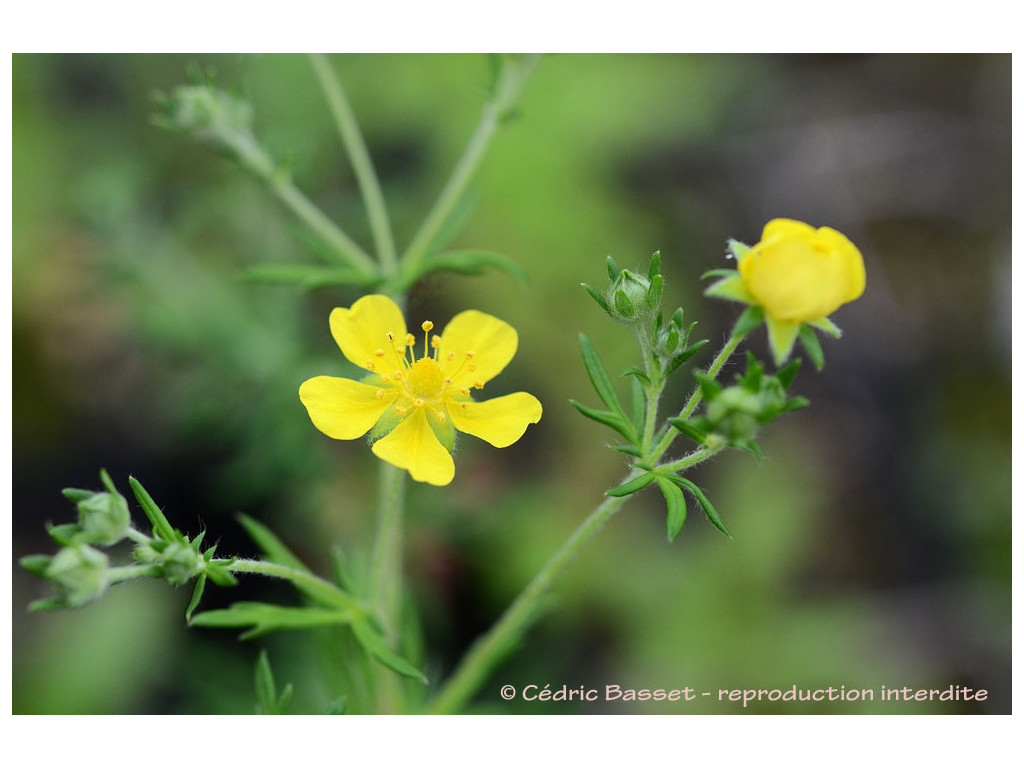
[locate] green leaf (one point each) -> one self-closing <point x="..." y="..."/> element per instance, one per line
<point x="197" y="595"/>
<point x="676" y="503"/>
<point x="220" y="575"/>
<point x="787" y="374"/>
<point x="474" y="262"/>
<point x="36" y="564"/>
<point x="709" y="387"/>
<point x="75" y="495"/>
<point x="685" y="355"/>
<point x="631" y="486"/>
<point x="633" y="371"/>
<point x="795" y="404"/>
<point x="271" y="546"/>
<point x="705" y="503"/>
<point x="654" y="268"/>
<point x="826" y="325"/>
<point x="597" y="297"/>
<point x="655" y="291"/>
<point x="812" y="346"/>
<point x="161" y="526"/>
<point x="629" y="450"/>
<point x="599" y="377"/>
<point x="47" y="604"/>
<point x="690" y="430"/>
<point x="751" y="318"/>
<point x="613" y="268"/>
<point x="308" y="276"/>
<point x="374" y="645"/>
<point x="609" y="419"/>
<point x="64" y="534"/>
<point x="265" y="617"/>
<point x="267" y="700"/>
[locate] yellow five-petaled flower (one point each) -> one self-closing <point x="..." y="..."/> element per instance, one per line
<point x="797" y="274"/>
<point x="414" y="405"/>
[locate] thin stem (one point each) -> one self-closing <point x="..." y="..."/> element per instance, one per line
<point x="511" y="80"/>
<point x="690" y="459"/>
<point x="691" y="405"/>
<point x="386" y="566"/>
<point x="317" y="221"/>
<point x="489" y="649"/>
<point x="355" y="146"/>
<point x="126" y="572"/>
<point x="323" y="589"/>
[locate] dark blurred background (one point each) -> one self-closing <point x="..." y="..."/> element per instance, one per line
<point x="873" y="546"/>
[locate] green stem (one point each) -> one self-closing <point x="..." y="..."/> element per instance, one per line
<point x="323" y="589"/>
<point x="355" y="146"/>
<point x="386" y="566"/>
<point x="691" y="405"/>
<point x="490" y="648"/>
<point x="690" y="460"/>
<point x="511" y="80"/>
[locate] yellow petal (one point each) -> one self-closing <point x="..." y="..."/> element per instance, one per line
<point x="363" y="329"/>
<point x="500" y="421"/>
<point x="852" y="261"/>
<point x="490" y="344"/>
<point x="412" y="445"/>
<point x="342" y="408"/>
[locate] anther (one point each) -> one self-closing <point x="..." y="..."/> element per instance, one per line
<point x="410" y="340"/>
<point x="478" y="384"/>
<point x="418" y="402"/>
<point x="380" y="394"/>
<point x="369" y="365"/>
<point x="471" y="353"/>
<point x="379" y="352"/>
<point x="435" y="342"/>
<point x="451" y="356"/>
<point x="427" y="325"/>
<point x="441" y="417"/>
<point x="401" y="410"/>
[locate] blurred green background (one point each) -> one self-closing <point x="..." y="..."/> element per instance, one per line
<point x="873" y="546"/>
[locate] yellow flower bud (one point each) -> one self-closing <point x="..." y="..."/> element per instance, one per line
<point x="800" y="274"/>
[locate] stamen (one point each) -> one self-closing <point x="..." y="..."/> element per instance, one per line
<point x="471" y="353"/>
<point x="369" y="365"/>
<point x="427" y="326"/>
<point x="478" y="384"/>
<point x="401" y="410"/>
<point x="380" y="394"/>
<point x="451" y="356"/>
<point x="380" y="352"/>
<point x="441" y="417"/>
<point x="418" y="402"/>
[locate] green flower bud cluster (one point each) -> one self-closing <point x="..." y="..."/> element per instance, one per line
<point x="81" y="573"/>
<point x="734" y="415"/>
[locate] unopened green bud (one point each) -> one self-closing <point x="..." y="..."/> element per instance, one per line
<point x="79" y="573"/>
<point x="633" y="298"/>
<point x="104" y="518"/>
<point x="181" y="563"/>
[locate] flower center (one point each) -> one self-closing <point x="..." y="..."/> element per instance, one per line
<point x="424" y="379"/>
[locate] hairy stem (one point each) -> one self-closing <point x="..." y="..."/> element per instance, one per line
<point x="511" y="80"/>
<point x="355" y="146"/>
<point x="493" y="646"/>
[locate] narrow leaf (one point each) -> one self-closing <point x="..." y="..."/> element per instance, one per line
<point x="474" y="262"/>
<point x="787" y="374"/>
<point x="812" y="346"/>
<point x="374" y="645"/>
<point x="634" y="371"/>
<point x="683" y="356"/>
<point x="690" y="430"/>
<point x="197" y="595"/>
<point x="266" y="690"/>
<point x="629" y="450"/>
<point x="632" y="486"/>
<point x="596" y="296"/>
<point x="609" y="419"/>
<point x="676" y="504"/>
<point x="161" y="526"/>
<point x="795" y="404"/>
<point x="265" y="617"/>
<point x="705" y="503"/>
<point x="35" y="564"/>
<point x="613" y="268"/>
<point x="654" y="268"/>
<point x="718" y="273"/>
<point x="639" y="404"/>
<point x="76" y="495"/>
<point x="599" y="377"/>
